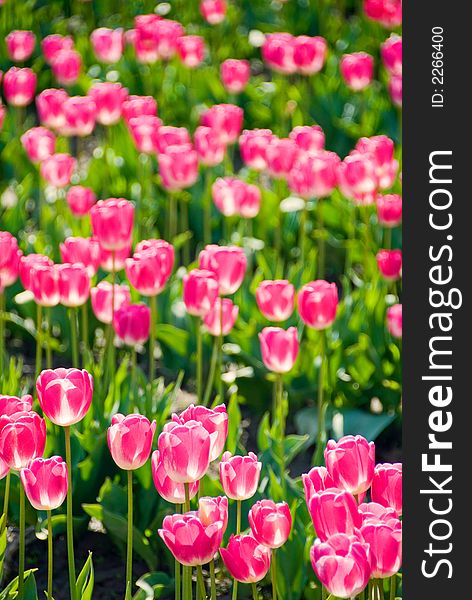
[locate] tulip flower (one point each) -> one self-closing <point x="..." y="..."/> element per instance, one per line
<point x="108" y="98"/>
<point x="220" y="320"/>
<point x="144" y="130"/>
<point x="358" y="178"/>
<point x="310" y="138"/>
<point x="138" y="106"/>
<point x="309" y="54"/>
<point x="200" y="291"/>
<point x="253" y="146"/>
<point x="387" y="12"/>
<point x="74" y="284"/>
<point x="246" y="560"/>
<point x="112" y="223"/>
<point x="226" y="120"/>
<point x="178" y="167"/>
<point x="80" y="200"/>
<point x="65" y="66"/>
<point x="228" y="263"/>
<point x="387" y="486"/>
<point x="227" y="194"/>
<point x="3" y="112"/>
<point x="391" y="52"/>
<point x="19" y="86"/>
<point x="191" y="50"/>
<point x="50" y="106"/>
<point x="39" y="143"/>
<point x="385" y="541"/>
<point x="278" y="52"/>
<point x="395" y="87"/>
<point x="235" y="75"/>
<point x="103" y="296"/>
<point x="342" y="564"/>
<point x="389" y="209"/>
<point x="270" y="523"/>
<point x="350" y="463"/>
<point x="58" y="169"/>
<point x="20" y="45"/>
<point x="212" y="510"/>
<point x="279" y="348"/>
<point x="10" y="257"/>
<point x="107" y="44"/>
<point x="44" y="281"/>
<point x="26" y="266"/>
<point x="132" y="323"/>
<point x="213" y="11"/>
<point x="334" y="511"/>
<point x="373" y="511"/>
<point x="170" y="490"/>
<point x="275" y="299"/>
<point x="9" y="405"/>
<point x="380" y="149"/>
<point x="314" y="175"/>
<point x="239" y="475"/>
<point x="357" y="70"/>
<point x="281" y="155"/>
<point x="316" y="480"/>
<point x="45" y="482"/>
<point x="80" y="115"/>
<point x="215" y="421"/>
<point x="390" y="264"/>
<point x="52" y="44"/>
<point x="317" y="304"/>
<point x="394" y="320"/>
<point x="210" y="150"/>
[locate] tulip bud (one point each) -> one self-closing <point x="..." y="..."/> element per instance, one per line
<point x="130" y="440"/>
<point x="191" y="50"/>
<point x="57" y="170"/>
<point x="144" y="131"/>
<point x="102" y="298"/>
<point x="239" y="475"/>
<point x="279" y="348"/>
<point x="390" y="264"/>
<point x="170" y="490"/>
<point x="19" y="86"/>
<point x="314" y="175"/>
<point x="107" y="44"/>
<point x="357" y="70"/>
<point x="228" y="263"/>
<point x="278" y="52"/>
<point x="50" y="105"/>
<point x="270" y="523"/>
<point x="215" y="421"/>
<point x="44" y="280"/>
<point x="221" y="318"/>
<point x="200" y="291"/>
<point x="350" y="462"/>
<point x="80" y="200"/>
<point x="132" y="324"/>
<point x="20" y="45"/>
<point x="385" y="542"/>
<point x="39" y="143"/>
<point x="226" y="120"/>
<point x="309" y="54"/>
<point x="394" y="320"/>
<point x="74" y="284"/>
<point x="149" y="270"/>
<point x="10" y="257"/>
<point x="317" y="303"/>
<point x="387" y="486"/>
<point x="317" y="480"/>
<point x="235" y="75"/>
<point x="112" y="223"/>
<point x="138" y="106"/>
<point x="212" y="510"/>
<point x="275" y="299"/>
<point x="108" y="98"/>
<point x="85" y="251"/>
<point x="391" y="51"/>
<point x="389" y="209"/>
<point x="45" y="482"/>
<point x="210" y="150"/>
<point x="281" y="155"/>
<point x="308" y="138"/>
<point x="253" y="146"/>
<point x="246" y="560"/>
<point x="27" y="263"/>
<point x="334" y="511"/>
<point x="22" y="438"/>
<point x="387" y="12"/>
<point x="213" y="11"/>
<point x="178" y="167"/>
<point x="52" y="44"/>
<point x="66" y="66"/>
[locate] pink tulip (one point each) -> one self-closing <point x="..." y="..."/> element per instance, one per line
<point x="44" y="280"/>
<point x="235" y="75"/>
<point x="226" y="120"/>
<point x="191" y="542"/>
<point x="381" y="149"/>
<point x="9" y="405"/>
<point x="185" y="450"/>
<point x="112" y="223"/>
<point x="317" y="303"/>
<point x="65" y="395"/>
<point x="342" y="564"/>
<point x="45" y="482"/>
<point x="80" y="200"/>
<point x="278" y="52"/>
<point x="387" y="486"/>
<point x="74" y="284"/>
<point x="391" y="51"/>
<point x="358" y="178"/>
<point x="200" y="291"/>
<point x="114" y="261"/>
<point x="279" y="348"/>
<point x="132" y="324"/>
<point x="373" y="511"/>
<point x="138" y="106"/>
<point x="246" y="560"/>
<point x="210" y="150"/>
<point x="167" y="34"/>
<point x="310" y="138"/>
<point x="52" y="44"/>
<point x="107" y="44"/>
<point x="309" y="54"/>
<point x="168" y="135"/>
<point x="334" y="511"/>
<point x="350" y="462"/>
<point x="212" y="510"/>
<point x="270" y="523"/>
<point x="221" y="318"/>
<point x="102" y="299"/>
<point x="275" y="299"/>
<point x="80" y="114"/>
<point x="108" y="98"/>
<point x="389" y="209"/>
<point x="390" y="264"/>
<point x="395" y="88"/>
<point x="57" y="170"/>
<point x="10" y="257"/>
<point x="385" y="542"/>
<point x="228" y="263"/>
<point x="27" y="263"/>
<point x="39" y="143"/>
<point x="215" y="421"/>
<point x="149" y="270"/>
<point x="239" y="475"/>
<point x="213" y="11"/>
<point x="191" y="50"/>
<point x="314" y="175"/>
<point x="357" y="70"/>
<point x="227" y="194"/>
<point x="250" y="203"/>
<point x="386" y="12"/>
<point x="66" y="66"/>
<point x="3" y="112"/>
<point x="394" y="320"/>
<point x="143" y="37"/>
<point x="253" y="144"/>
<point x="281" y="155"/>
<point x="19" y="86"/>
<point x="170" y="490"/>
<point x="50" y="106"/>
<point x="178" y="167"/>
<point x="130" y="440"/>
<point x="144" y="130"/>
<point x="85" y="251"/>
<point x="22" y="438"/>
<point x="316" y="480"/>
<point x="20" y="45"/>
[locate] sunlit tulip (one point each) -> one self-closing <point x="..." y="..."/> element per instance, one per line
<point x="191" y="50"/>
<point x="19" y="86"/>
<point x="391" y="51"/>
<point x="309" y="54"/>
<point x="310" y="138"/>
<point x="358" y="178"/>
<point x="102" y="300"/>
<point x="270" y="523"/>
<point x="342" y="564"/>
<point x="334" y="511"/>
<point x="395" y="320"/>
<point x="144" y="130"/>
<point x="80" y="115"/>
<point x="66" y="66"/>
<point x="390" y="264"/>
<point x="185" y="450"/>
<point x="316" y="480"/>
<point x="65" y="395"/>
<point x="279" y="348"/>
<point x="44" y="281"/>
<point x="387" y="486"/>
<point x="226" y="120"/>
<point x="9" y="405"/>
<point x="57" y="169"/>
<point x="227" y="194"/>
<point x="130" y="440"/>
<point x="215" y="421"/>
<point x="278" y="52"/>
<point x="228" y="263"/>
<point x="235" y="75"/>
<point x="213" y="11"/>
<point x="52" y="44"/>
<point x="170" y="490"/>
<point x="108" y="98"/>
<point x="253" y="144"/>
<point x="373" y="511"/>
<point x="10" y="257"/>
<point x="80" y="200"/>
<point x="74" y="284"/>
<point x="211" y="510"/>
<point x="191" y="542"/>
<point x="132" y="324"/>
<point x="149" y="270"/>
<point x="385" y="543"/>
<point x="107" y="44"/>
<point x="22" y="438"/>
<point x="317" y="303"/>
<point x="357" y="70"/>
<point x="168" y="135"/>
<point x="395" y="88"/>
<point x="275" y="299"/>
<point x="350" y="462"/>
<point x="50" y="106"/>
<point x="386" y="12"/>
<point x="239" y="475"/>
<point x="39" y="143"/>
<point x="381" y="148"/>
<point x="114" y="261"/>
<point x="389" y="209"/>
<point x="143" y="37"/>
<point x="178" y="167"/>
<point x="221" y="318"/>
<point x="314" y="175"/>
<point x="112" y="223"/>
<point x="137" y="106"/>
<point x="85" y="251"/>
<point x="281" y="155"/>
<point x="27" y="263"/>
<point x="200" y="291"/>
<point x="250" y="202"/>
<point x="45" y="482"/>
<point x="20" y="45"/>
<point x="210" y="150"/>
<point x="246" y="559"/>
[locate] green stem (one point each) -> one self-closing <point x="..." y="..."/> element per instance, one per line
<point x="387" y="238"/>
<point x="302" y="233"/>
<point x="235" y="590"/>
<point x="393" y="587"/>
<point x="380" y="589"/>
<point x="74" y="337"/>
<point x="129" y="550"/>
<point x="201" y="583"/>
<point x="322" y="405"/>
<point x="207" y="208"/>
<point x="21" y="553"/>
<point x="321" y="241"/>
<point x="220" y="356"/>
<point x="213" y="579"/>
<point x="178" y="582"/>
<point x="70" y="525"/>
<point x="112" y="345"/>
<point x="238" y="517"/>
<point x="85" y="348"/>
<point x="273" y="573"/>
<point x="211" y="373"/>
<point x="6" y="498"/>
<point x="324" y="593"/>
<point x="50" y="556"/>
<point x="187" y="570"/>
<point x="133" y="394"/>
<point x="49" y="334"/>
<point x="254" y="591"/>
<point x="2" y="334"/>
<point x="152" y="337"/>
<point x="199" y="360"/>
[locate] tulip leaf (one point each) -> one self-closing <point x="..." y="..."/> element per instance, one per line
<point x="30" y="590"/>
<point x="234" y="421"/>
<point x="152" y="585"/>
<point x="173" y="337"/>
<point x="85" y="580"/>
<point x="3" y="542"/>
